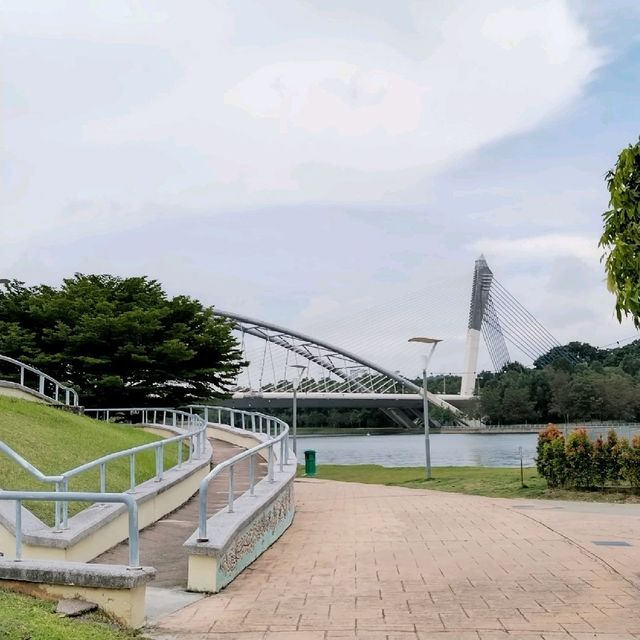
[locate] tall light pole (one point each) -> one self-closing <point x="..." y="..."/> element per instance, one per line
<point x="295" y="382"/>
<point x="425" y="403"/>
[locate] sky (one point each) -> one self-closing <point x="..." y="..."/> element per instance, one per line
<point x="334" y="167"/>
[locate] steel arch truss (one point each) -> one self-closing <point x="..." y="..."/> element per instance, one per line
<point x="341" y="371"/>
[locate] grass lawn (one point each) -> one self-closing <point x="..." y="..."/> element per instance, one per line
<point x="497" y="482"/>
<point x="23" y="617"/>
<point x="55" y="441"/>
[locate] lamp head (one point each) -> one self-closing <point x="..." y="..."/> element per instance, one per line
<point x="425" y="340"/>
<point x="297" y="376"/>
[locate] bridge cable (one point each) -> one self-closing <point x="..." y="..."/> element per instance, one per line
<point x="507" y="308"/>
<point x="507" y="312"/>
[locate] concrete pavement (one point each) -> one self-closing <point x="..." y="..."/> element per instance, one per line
<point x="376" y="562"/>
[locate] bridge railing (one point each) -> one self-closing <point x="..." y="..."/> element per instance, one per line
<point x="33" y="379"/>
<point x="277" y="433"/>
<point x="194" y="436"/>
<point x="128" y="500"/>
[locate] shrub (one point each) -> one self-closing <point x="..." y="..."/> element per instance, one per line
<point x="630" y="462"/>
<point x="601" y="461"/>
<point x="551" y="459"/>
<point x="580" y="459"/>
<point x="615" y="446"/>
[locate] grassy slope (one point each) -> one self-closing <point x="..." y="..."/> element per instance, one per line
<point x="483" y="481"/>
<point x="55" y="441"/>
<point x="24" y="617"/>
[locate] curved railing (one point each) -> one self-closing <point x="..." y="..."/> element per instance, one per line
<point x="77" y="496"/>
<point x="238" y="418"/>
<point x="275" y="429"/>
<point x="193" y="424"/>
<point x="46" y="386"/>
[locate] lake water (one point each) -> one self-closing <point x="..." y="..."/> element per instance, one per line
<point x="447" y="449"/>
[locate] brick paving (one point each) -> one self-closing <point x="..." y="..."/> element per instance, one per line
<point x="161" y="543"/>
<point x="374" y="562"/>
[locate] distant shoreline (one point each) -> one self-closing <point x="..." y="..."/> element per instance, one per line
<point x="445" y="431"/>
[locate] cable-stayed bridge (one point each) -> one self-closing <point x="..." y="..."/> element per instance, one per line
<point x="334" y="376"/>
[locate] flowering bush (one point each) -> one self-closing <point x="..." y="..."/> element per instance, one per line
<point x="584" y="464"/>
<point x="580" y="459"/>
<point x="630" y="462"/>
<point x="551" y="459"/>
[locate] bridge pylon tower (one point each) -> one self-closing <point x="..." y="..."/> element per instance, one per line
<point x="483" y="319"/>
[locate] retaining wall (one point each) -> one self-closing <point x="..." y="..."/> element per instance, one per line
<point x="236" y="539"/>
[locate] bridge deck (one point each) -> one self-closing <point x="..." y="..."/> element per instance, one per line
<point x="161" y="543"/>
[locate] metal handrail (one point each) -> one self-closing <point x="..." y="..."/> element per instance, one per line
<point x="70" y="394"/>
<point x="196" y="428"/>
<point x="275" y="429"/>
<point x="129" y="501"/>
<point x="258" y="421"/>
<point x="26" y="465"/>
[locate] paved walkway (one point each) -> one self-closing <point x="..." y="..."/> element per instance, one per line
<point x="161" y="543"/>
<point x="374" y="562"/>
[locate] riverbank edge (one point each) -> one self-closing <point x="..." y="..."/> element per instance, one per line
<point x="493" y="482"/>
<point x="416" y="432"/>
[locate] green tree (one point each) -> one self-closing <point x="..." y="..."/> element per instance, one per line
<point x="491" y="402"/>
<point x="621" y="234"/>
<point x="568" y="355"/>
<point x="120" y="341"/>
<point x="560" y="406"/>
<point x="582" y="396"/>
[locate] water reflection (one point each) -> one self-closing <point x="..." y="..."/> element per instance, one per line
<point x="447" y="450"/>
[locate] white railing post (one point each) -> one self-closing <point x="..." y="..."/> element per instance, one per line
<point x="159" y="463"/>
<point x="271" y="464"/>
<point x="132" y="473"/>
<point x="231" y="489"/>
<point x="18" y="530"/>
<point x="65" y="506"/>
<point x="252" y="475"/>
<point x="57" y="510"/>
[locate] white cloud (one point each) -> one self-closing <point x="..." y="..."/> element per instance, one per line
<point x="541" y="247"/>
<point x="306" y="116"/>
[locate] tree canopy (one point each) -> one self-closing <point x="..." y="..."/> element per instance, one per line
<point x="603" y="385"/>
<point x="621" y="235"/>
<point x="120" y="341"/>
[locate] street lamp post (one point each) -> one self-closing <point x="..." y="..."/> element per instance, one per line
<point x="425" y="403"/>
<point x="297" y="377"/>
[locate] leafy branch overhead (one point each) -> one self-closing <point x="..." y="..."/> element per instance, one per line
<point x="120" y="341"/>
<point x="621" y="236"/>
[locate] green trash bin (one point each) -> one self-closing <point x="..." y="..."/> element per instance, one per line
<point x="309" y="462"/>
